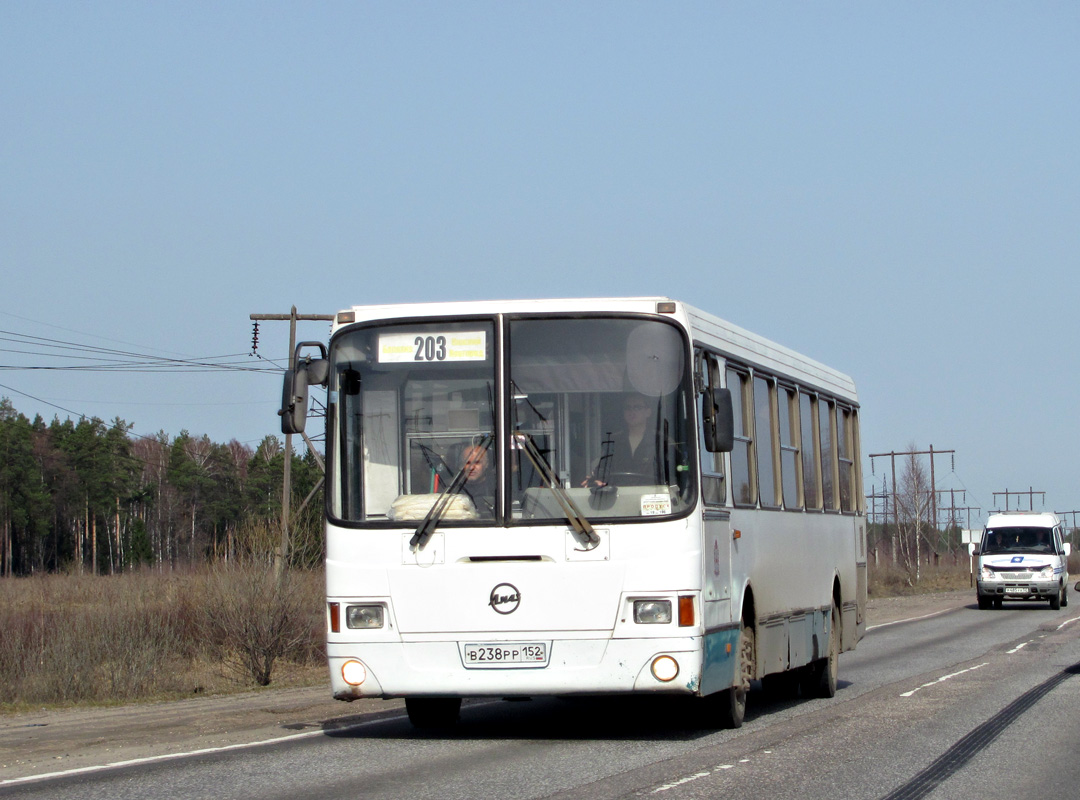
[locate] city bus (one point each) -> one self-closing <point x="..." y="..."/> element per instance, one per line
<point x="581" y="497"/>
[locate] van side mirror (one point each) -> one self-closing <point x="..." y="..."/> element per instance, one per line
<point x="1068" y="549"/>
<point x="294" y="392"/>
<point x="718" y="420"/>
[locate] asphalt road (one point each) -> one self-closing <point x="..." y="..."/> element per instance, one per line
<point x="940" y="700"/>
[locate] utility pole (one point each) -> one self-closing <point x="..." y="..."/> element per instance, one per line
<point x="1072" y="528"/>
<point x="1031" y="498"/>
<point x="952" y="509"/>
<point x="933" y="490"/>
<point x="282" y="553"/>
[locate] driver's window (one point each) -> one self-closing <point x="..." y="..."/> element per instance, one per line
<point x="713" y="478"/>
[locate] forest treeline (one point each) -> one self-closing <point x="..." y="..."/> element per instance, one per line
<point x="91" y="497"/>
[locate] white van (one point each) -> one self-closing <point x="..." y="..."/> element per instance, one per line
<point x="1022" y="557"/>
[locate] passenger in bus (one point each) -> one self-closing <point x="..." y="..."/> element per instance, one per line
<point x="628" y="456"/>
<point x="479" y="479"/>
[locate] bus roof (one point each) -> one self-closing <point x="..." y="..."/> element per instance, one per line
<point x="705" y="329"/>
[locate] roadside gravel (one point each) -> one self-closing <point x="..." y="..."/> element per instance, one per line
<point x="38" y="743"/>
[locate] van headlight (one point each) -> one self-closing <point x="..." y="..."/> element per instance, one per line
<point x="987" y="573"/>
<point x="1047" y="573"/>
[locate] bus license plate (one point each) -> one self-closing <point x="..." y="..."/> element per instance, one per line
<point x="505" y="654"/>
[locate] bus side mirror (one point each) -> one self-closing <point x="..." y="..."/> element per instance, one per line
<point x="294" y="392"/>
<point x="294" y="401"/>
<point x="718" y="419"/>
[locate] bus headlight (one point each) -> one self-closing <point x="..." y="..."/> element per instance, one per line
<point x="652" y="612"/>
<point x="364" y="617"/>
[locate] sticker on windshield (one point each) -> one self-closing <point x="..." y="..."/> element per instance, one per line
<point x="655" y="504"/>
<point x="428" y="348"/>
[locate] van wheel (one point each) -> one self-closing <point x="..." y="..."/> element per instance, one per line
<point x="1055" y="601"/>
<point x="984" y="602"/>
<point x="1064" y="595"/>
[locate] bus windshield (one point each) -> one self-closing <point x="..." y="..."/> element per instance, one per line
<point x="598" y="413"/>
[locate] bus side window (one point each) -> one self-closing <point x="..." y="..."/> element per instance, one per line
<point x="811" y="452"/>
<point x="845" y="458"/>
<point x="764" y="390"/>
<point x="742" y="484"/>
<point x="713" y="479"/>
<point x="790" y="465"/>
<point x="828" y="453"/>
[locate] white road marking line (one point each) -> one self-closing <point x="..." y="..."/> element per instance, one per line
<point x="909" y="619"/>
<point x="681" y="781"/>
<point x="173" y="756"/>
<point x="943" y="678"/>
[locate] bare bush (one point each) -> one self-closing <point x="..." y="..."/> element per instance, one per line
<point x="70" y="639"/>
<point x="252" y="618"/>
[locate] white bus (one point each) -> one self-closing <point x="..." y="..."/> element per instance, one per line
<point x="582" y="497"/>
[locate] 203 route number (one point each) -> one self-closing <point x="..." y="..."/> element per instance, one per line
<point x="430" y="348"/>
<point x="497" y="655"/>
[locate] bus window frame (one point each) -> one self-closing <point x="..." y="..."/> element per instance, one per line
<point x="710" y="370"/>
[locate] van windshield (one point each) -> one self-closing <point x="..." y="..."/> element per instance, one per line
<point x="1017" y="540"/>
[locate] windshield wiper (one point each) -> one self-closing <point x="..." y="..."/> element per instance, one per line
<point x="442" y="502"/>
<point x="583" y="529"/>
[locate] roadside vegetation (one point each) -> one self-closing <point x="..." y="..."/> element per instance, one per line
<point x="148" y="635"/>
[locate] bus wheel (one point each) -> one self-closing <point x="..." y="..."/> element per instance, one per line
<point x="433" y="712"/>
<point x="820" y="677"/>
<point x="732" y="702"/>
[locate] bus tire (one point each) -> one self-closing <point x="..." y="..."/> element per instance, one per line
<point x="731" y="702"/>
<point x="821" y="676"/>
<point x="433" y="712"/>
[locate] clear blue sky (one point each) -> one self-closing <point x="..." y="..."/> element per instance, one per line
<point x="893" y="189"/>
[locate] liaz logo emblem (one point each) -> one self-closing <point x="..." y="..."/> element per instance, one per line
<point x="505" y="598"/>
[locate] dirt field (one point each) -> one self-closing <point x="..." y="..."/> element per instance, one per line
<point x="36" y="743"/>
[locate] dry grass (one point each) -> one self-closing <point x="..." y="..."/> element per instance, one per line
<point x="71" y="639"/>
<point x="889" y="580"/>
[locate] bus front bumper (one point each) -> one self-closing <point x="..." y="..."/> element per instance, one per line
<point x="578" y="666"/>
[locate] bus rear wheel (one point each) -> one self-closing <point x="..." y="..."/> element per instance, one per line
<point x="820" y="677"/>
<point x="433" y="712"/>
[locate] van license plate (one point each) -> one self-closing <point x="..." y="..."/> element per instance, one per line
<point x="1017" y="590"/>
<point x="505" y="654"/>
